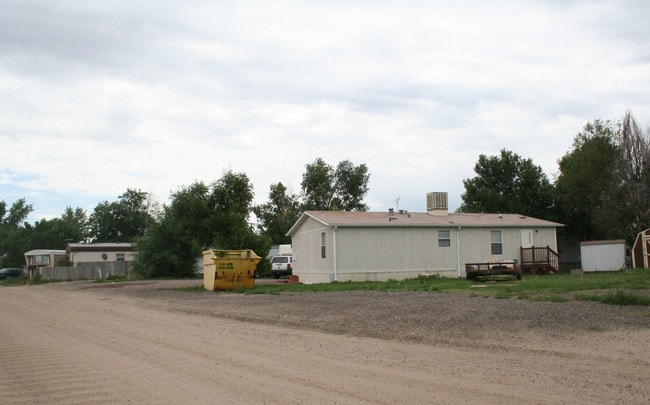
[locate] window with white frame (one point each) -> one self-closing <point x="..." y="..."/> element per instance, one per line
<point x="496" y="244"/>
<point x="444" y="239"/>
<point x="119" y="257"/>
<point x="322" y="245"/>
<point x="42" y="259"/>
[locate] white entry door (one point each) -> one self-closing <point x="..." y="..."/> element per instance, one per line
<point x="527" y="238"/>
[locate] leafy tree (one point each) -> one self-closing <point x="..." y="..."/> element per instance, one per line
<point x="233" y="197"/>
<point x="583" y="186"/>
<point x="508" y="183"/>
<point x="120" y="221"/>
<point x="317" y="185"/>
<point x="231" y="200"/>
<point x="163" y="252"/>
<point x="189" y="214"/>
<point x="342" y="188"/>
<point x="74" y="224"/>
<point x="16" y="215"/>
<point x="324" y="187"/>
<point x="278" y="215"/>
<point x="199" y="217"/>
<point x="172" y="246"/>
<point x="56" y="233"/>
<point x="15" y="242"/>
<point x="14" y="233"/>
<point x="17" y="238"/>
<point x="350" y="186"/>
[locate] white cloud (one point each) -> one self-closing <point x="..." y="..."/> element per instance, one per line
<point x="98" y="97"/>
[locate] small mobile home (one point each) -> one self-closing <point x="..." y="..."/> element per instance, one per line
<point x="43" y="257"/>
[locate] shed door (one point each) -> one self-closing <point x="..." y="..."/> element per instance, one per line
<point x="527" y="238"/>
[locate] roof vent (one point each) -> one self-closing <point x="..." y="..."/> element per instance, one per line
<point x="437" y="203"/>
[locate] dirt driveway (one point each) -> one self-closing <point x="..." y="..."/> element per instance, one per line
<point x="138" y="343"/>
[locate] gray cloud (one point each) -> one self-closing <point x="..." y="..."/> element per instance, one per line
<point x="101" y="96"/>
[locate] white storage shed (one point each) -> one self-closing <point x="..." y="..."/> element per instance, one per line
<point x="603" y="255"/>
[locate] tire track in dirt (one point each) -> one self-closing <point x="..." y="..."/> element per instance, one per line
<point x="70" y="345"/>
<point x="50" y="372"/>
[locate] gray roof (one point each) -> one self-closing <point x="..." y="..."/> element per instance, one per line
<point x="421" y="219"/>
<point x="118" y="247"/>
<point x="36" y="252"/>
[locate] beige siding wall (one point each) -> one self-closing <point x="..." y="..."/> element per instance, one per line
<point x="383" y="253"/>
<point x="475" y="243"/>
<point x="83" y="257"/>
<point x="308" y="264"/>
<point x="390" y="249"/>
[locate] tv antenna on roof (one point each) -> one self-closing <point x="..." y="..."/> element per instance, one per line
<point x="397" y="203"/>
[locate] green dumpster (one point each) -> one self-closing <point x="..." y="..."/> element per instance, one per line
<point x="229" y="269"/>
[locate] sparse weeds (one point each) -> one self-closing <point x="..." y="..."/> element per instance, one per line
<point x="619" y="297"/>
<point x="14" y="281"/>
<point x="609" y="288"/>
<point x="545" y="288"/>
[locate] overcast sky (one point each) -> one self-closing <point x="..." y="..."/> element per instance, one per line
<point x="100" y="96"/>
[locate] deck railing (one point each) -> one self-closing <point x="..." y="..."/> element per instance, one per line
<point x="540" y="258"/>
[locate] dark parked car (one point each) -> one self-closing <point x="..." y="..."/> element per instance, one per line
<point x="11" y="272"/>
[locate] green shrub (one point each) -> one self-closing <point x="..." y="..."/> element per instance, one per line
<point x="64" y="262"/>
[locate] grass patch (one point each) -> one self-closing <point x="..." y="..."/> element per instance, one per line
<point x="616" y="298"/>
<point x="193" y="288"/>
<point x="615" y="288"/>
<point x="14" y="281"/>
<point x="503" y="295"/>
<point x="544" y="288"/>
<point x="415" y="284"/>
<point x="24" y="280"/>
<point x="546" y="298"/>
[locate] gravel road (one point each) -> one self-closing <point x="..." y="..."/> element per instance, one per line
<point x="82" y="342"/>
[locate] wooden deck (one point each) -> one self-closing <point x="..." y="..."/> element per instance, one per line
<point x="539" y="259"/>
<point x="533" y="259"/>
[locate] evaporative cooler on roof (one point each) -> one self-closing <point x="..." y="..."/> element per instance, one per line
<point x="436" y="201"/>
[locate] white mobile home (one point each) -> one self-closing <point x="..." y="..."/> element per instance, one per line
<point x="377" y="246"/>
<point x="100" y="252"/>
<point x="43" y="257"/>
